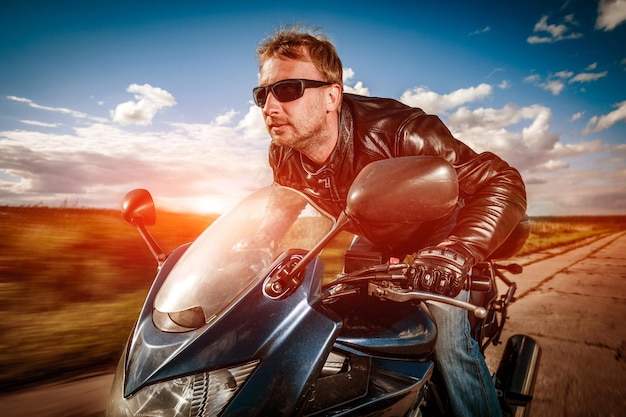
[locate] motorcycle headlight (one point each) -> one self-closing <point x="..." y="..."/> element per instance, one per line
<point x="199" y="395"/>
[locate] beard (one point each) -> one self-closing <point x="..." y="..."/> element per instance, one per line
<point x="303" y="137"/>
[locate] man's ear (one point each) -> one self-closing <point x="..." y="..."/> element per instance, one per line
<point x="333" y="97"/>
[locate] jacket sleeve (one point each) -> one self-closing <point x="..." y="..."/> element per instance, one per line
<point x="492" y="192"/>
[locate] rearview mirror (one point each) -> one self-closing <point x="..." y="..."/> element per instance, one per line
<point x="138" y="205"/>
<point x="138" y="210"/>
<point x="390" y="198"/>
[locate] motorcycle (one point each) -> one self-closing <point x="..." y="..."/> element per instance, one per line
<point x="241" y="324"/>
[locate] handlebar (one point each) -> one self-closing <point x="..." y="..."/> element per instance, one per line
<point x="380" y="283"/>
<point x="380" y="277"/>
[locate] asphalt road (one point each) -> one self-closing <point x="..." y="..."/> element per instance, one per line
<point x="573" y="302"/>
<point x="574" y="305"/>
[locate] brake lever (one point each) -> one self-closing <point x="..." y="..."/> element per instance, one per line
<point x="400" y="295"/>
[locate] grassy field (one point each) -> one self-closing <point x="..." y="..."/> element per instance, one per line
<point x="72" y="282"/>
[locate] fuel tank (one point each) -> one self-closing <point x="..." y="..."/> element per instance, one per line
<point x="386" y="329"/>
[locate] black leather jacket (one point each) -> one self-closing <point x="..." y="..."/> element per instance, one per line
<point x="492" y="193"/>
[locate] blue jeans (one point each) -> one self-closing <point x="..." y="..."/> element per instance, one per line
<point x="468" y="380"/>
<point x="470" y="386"/>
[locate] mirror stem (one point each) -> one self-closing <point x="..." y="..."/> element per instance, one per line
<point x="154" y="247"/>
<point x="339" y="226"/>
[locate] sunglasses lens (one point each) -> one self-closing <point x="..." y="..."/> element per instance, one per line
<point x="288" y="90"/>
<point x="285" y="90"/>
<point x="260" y="95"/>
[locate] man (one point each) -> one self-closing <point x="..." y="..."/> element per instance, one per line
<point x="322" y="138"/>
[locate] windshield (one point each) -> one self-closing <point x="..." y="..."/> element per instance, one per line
<point x="234" y="251"/>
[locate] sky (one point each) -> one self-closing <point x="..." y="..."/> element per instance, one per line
<point x="98" y="98"/>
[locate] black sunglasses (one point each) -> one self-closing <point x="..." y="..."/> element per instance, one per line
<point x="285" y="90"/>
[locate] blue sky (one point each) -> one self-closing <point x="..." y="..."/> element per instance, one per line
<point x="97" y="98"/>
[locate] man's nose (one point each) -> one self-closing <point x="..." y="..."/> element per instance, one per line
<point x="271" y="103"/>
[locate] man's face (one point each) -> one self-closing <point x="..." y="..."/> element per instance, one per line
<point x="302" y="123"/>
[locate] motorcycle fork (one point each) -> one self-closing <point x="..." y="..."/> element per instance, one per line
<point x="489" y="330"/>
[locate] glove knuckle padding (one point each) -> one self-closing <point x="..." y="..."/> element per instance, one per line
<point x="439" y="269"/>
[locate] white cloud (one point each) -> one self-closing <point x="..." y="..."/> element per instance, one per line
<point x="611" y="13"/>
<point x="37" y="123"/>
<point x="599" y="123"/>
<point x="226" y="118"/>
<point x="585" y="77"/>
<point x="551" y="165"/>
<point x="577" y="116"/>
<point x="520" y="135"/>
<point x="149" y="100"/>
<point x="564" y="74"/>
<point x="435" y="103"/>
<point x="62" y="110"/>
<point x="348" y="74"/>
<point x="357" y="88"/>
<point x="480" y="31"/>
<point x="593" y="189"/>
<point x="533" y="78"/>
<point x="554" y="86"/>
<point x="537" y="136"/>
<point x="553" y="32"/>
<point x="490" y="129"/>
<point x="495" y="71"/>
<point x="196" y="167"/>
<point x="555" y="83"/>
<point x="252" y="125"/>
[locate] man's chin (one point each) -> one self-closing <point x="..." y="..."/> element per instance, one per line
<point x="280" y="140"/>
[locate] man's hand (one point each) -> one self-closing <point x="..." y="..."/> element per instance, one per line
<point x="440" y="269"/>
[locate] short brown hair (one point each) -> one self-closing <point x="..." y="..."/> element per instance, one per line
<point x="296" y="42"/>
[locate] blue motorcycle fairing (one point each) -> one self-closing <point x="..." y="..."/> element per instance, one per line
<point x="384" y="328"/>
<point x="141" y="359"/>
<point x="289" y="337"/>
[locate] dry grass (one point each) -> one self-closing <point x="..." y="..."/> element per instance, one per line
<point x="550" y="232"/>
<point x="71" y="285"/>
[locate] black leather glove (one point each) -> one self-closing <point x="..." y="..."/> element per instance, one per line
<point x="440" y="269"/>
